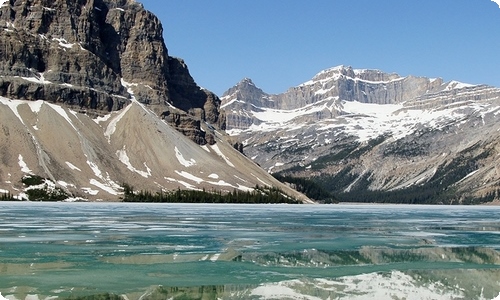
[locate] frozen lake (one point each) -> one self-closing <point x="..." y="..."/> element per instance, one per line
<point x="163" y="251"/>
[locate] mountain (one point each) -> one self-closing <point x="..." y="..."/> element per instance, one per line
<point x="90" y="100"/>
<point x="366" y="135"/>
<point x="95" y="56"/>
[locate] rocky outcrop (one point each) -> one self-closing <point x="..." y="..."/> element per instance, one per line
<point x="189" y="127"/>
<point x="94" y="55"/>
<point x="253" y="99"/>
<point x="252" y="95"/>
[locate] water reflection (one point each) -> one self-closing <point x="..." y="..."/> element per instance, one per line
<point x="131" y="251"/>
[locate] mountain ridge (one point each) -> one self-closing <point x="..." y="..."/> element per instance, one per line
<point x="366" y="133"/>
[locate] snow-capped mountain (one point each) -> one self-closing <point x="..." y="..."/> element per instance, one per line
<point x="362" y="131"/>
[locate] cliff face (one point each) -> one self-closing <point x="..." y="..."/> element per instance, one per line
<point x="95" y="55"/>
<point x="365" y="134"/>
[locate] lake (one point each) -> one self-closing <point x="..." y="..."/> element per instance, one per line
<point x="203" y="251"/>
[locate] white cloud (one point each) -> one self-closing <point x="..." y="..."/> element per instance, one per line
<point x="497" y="2"/>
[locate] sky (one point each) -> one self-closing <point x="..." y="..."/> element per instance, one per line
<point x="283" y="43"/>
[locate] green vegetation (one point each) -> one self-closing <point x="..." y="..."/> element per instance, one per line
<point x="341" y="153"/>
<point x="31" y="180"/>
<point x="45" y="194"/>
<point x="440" y="189"/>
<point x="308" y="187"/>
<point x="7" y="197"/>
<point x="411" y="146"/>
<point x="337" y="156"/>
<point x="39" y="190"/>
<point x="259" y="195"/>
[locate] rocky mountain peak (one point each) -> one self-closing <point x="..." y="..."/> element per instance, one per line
<point x="347" y="72"/>
<point x="95" y="55"/>
<point x="244" y="88"/>
<point x="246" y="81"/>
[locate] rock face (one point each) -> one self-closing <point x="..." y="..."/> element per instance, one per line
<point x="370" y="136"/>
<point x="95" y="55"/>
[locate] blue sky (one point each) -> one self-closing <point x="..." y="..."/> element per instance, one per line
<point x="283" y="43"/>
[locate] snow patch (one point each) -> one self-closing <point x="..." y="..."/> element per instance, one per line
<point x="112" y="125"/>
<point x="261" y="181"/>
<point x="13" y="104"/>
<point x="456" y="85"/>
<point x="63" y="43"/>
<point x="40" y="79"/>
<point x="72" y="166"/>
<point x="467" y="176"/>
<point x="186" y="163"/>
<point x="245" y="188"/>
<point x="23" y="165"/>
<point x="129" y="86"/>
<point x="231" y="102"/>
<point x="95" y="169"/>
<point x="123" y="157"/>
<point x="190" y="176"/>
<point x="219" y="152"/>
<point x="213" y="176"/>
<point x="90" y="191"/>
<point x="102" y="119"/>
<point x="185" y="184"/>
<point x="221" y="183"/>
<point x="276" y="117"/>
<point x="65" y="184"/>
<point x="63" y="114"/>
<point x="36" y="106"/>
<point x="109" y="186"/>
<point x="103" y="187"/>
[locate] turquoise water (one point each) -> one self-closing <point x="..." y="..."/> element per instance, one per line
<point x="249" y="251"/>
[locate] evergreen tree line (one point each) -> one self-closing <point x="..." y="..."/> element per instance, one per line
<point x="7" y="197"/>
<point x="308" y="187"/>
<point x="259" y="195"/>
